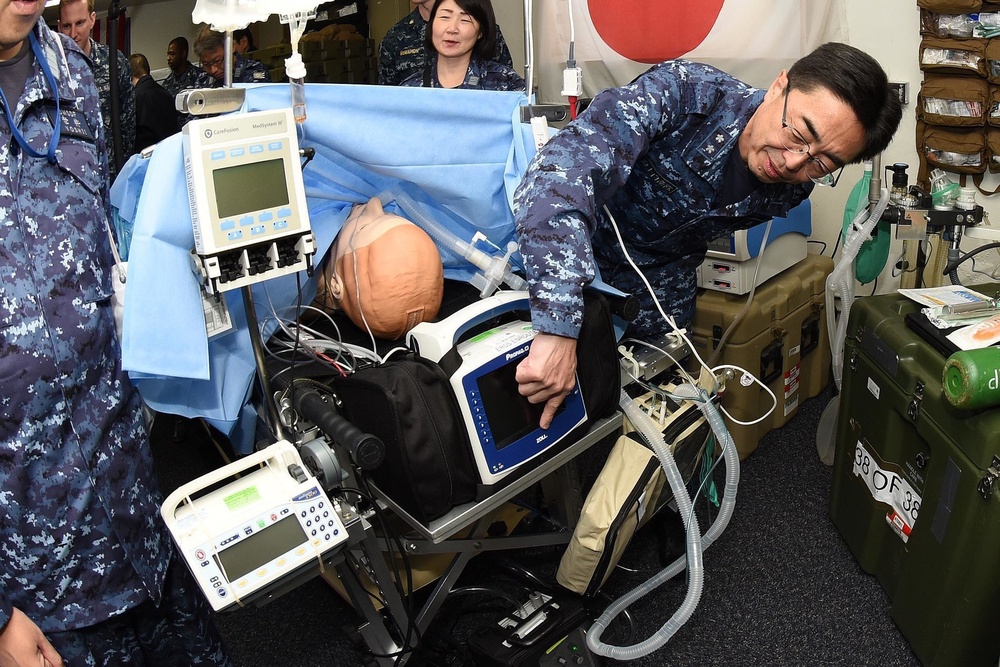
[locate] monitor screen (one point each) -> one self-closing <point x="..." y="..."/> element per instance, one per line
<point x="253" y="186"/>
<point x="262" y="547"/>
<point x="509" y="414"/>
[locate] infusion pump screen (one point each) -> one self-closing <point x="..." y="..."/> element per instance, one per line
<point x="262" y="547"/>
<point x="253" y="186"/>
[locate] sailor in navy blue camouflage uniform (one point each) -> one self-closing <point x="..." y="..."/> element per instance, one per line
<point x="459" y="41"/>
<point x="76" y="19"/>
<point x="183" y="74"/>
<point x="680" y="156"/>
<point x="86" y="571"/>
<point x="403" y="50"/>
<point x="210" y="46"/>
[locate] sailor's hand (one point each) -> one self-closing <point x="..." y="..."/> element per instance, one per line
<point x="22" y="644"/>
<point x="548" y="373"/>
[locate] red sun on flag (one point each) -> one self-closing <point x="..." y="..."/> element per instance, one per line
<point x="650" y="31"/>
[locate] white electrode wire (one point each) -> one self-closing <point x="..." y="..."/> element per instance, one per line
<point x="669" y="320"/>
<point x="291" y="332"/>
<point x="572" y="30"/>
<point x="357" y="283"/>
<point x="320" y="340"/>
<point x="753" y="290"/>
<point x="749" y="375"/>
<point x="656" y="301"/>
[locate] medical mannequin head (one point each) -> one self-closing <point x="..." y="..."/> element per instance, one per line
<point x="383" y="271"/>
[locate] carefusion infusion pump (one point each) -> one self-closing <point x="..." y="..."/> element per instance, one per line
<point x="502" y="425"/>
<point x="731" y="262"/>
<point x="248" y="202"/>
<point x="248" y="537"/>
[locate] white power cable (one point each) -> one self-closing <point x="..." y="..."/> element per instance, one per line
<point x="670" y="321"/>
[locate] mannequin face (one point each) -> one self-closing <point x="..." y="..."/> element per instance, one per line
<point x="383" y="271"/>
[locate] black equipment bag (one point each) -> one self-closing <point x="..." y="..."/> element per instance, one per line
<point x="597" y="358"/>
<point x="408" y="403"/>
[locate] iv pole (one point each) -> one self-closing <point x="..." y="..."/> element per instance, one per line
<point x="253" y="324"/>
<point x="114" y="12"/>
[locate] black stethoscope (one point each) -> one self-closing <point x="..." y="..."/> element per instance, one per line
<point x="50" y="155"/>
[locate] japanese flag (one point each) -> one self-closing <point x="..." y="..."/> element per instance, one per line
<point x="616" y="40"/>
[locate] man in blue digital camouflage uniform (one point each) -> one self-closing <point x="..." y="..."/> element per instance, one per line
<point x="680" y="156"/>
<point x="86" y="574"/>
<point x="210" y="47"/>
<point x="76" y="19"/>
<point x="183" y="74"/>
<point x="403" y="50"/>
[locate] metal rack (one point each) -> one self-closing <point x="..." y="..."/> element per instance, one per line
<point x="441" y="536"/>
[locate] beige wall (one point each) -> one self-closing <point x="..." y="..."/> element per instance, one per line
<point x="155" y="24"/>
<point x="889" y="31"/>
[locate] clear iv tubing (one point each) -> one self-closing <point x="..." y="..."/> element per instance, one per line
<point x="696" y="544"/>
<point x="496" y="269"/>
<point x="841" y="281"/>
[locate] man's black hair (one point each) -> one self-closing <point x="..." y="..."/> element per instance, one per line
<point x="240" y="34"/>
<point x="860" y="82"/>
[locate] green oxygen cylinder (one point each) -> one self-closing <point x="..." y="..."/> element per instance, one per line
<point x="971" y="378"/>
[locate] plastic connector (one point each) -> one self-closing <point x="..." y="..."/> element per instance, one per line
<point x="539" y="131"/>
<point x="572" y="82"/>
<point x="295" y="68"/>
<point x="497" y="271"/>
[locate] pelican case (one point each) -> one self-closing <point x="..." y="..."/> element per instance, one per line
<point x="914" y="490"/>
<point x="782" y="340"/>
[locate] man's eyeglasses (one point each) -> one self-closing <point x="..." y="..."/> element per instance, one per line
<point x="794" y="142"/>
<point x="215" y="63"/>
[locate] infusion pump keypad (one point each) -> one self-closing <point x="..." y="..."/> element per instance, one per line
<point x="251" y="225"/>
<point x="267" y="547"/>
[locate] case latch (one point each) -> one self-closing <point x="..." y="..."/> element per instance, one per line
<point x="913" y="409"/>
<point x="988" y="480"/>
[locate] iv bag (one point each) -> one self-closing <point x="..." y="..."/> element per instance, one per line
<point x="229" y="15"/>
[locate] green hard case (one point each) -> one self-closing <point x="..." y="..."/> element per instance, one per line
<point x="913" y="492"/>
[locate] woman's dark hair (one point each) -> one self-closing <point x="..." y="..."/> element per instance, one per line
<point x="857" y="79"/>
<point x="482" y="12"/>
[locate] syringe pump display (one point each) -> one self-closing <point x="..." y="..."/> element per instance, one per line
<point x="248" y="203"/>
